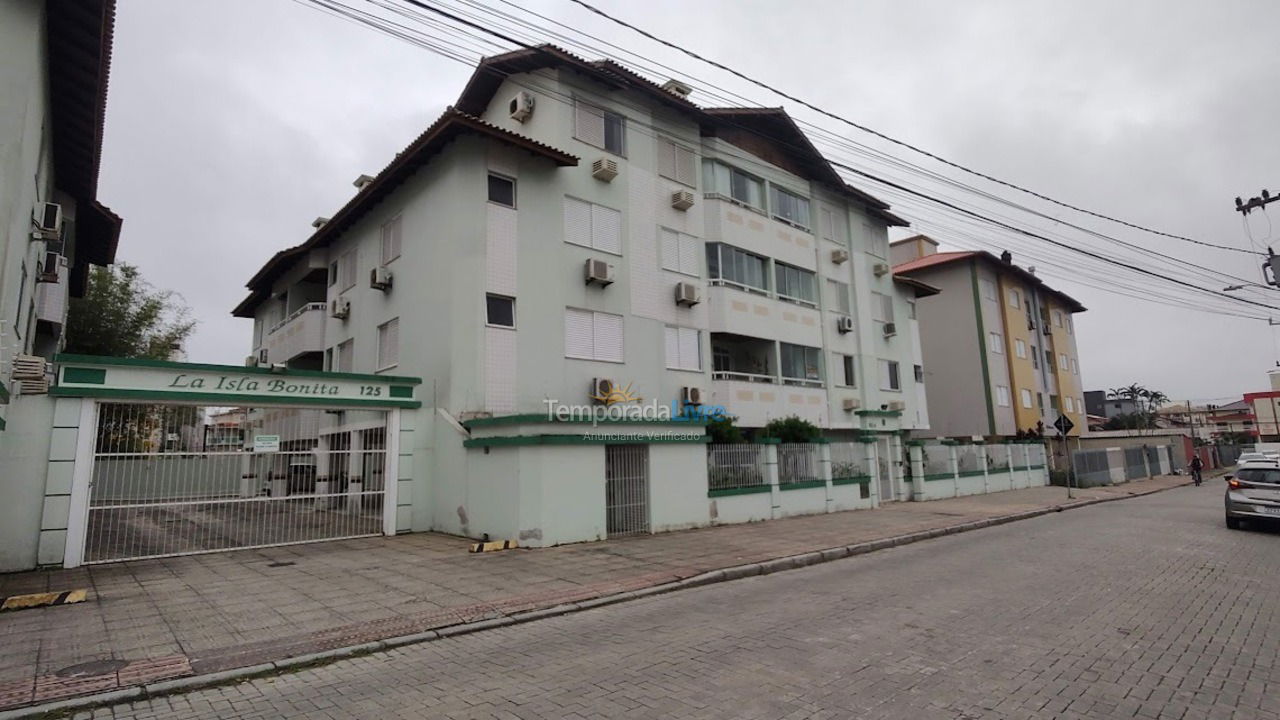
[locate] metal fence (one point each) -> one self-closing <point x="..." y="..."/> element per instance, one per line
<point x="797" y="463"/>
<point x="1134" y="463"/>
<point x="626" y="469"/>
<point x="997" y="458"/>
<point x="734" y="466"/>
<point x="1091" y="467"/>
<point x="968" y="459"/>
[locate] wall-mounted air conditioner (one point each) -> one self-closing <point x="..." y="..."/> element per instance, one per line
<point x="890" y="329"/>
<point x="48" y="220"/>
<point x="251" y="361"/>
<point x="380" y="278"/>
<point x="850" y="404"/>
<point x="880" y="269"/>
<point x="49" y="268"/>
<point x="35" y="386"/>
<point x="844" y="324"/>
<point x="601" y="388"/>
<point x="897" y="405"/>
<point x="839" y="256"/>
<point x="29" y="367"/>
<point x="605" y="169"/>
<point x="521" y="106"/>
<point x="687" y="294"/>
<point x="691" y="395"/>
<point x="598" y="272"/>
<point x="340" y="309"/>
<point x="682" y="199"/>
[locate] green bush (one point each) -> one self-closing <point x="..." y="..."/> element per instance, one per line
<point x="793" y="429"/>
<point x="722" y="430"/>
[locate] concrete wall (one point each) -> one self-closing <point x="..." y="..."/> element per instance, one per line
<point x="953" y="355"/>
<point x="34" y="492"/>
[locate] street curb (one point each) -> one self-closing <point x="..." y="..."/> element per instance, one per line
<point x="710" y="577"/>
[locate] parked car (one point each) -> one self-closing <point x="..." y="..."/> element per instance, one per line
<point x="1246" y="457"/>
<point x="1253" y="493"/>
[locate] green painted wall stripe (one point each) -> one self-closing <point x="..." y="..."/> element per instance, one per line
<point x="884" y="413"/>
<point x="854" y="480"/>
<point x="581" y="439"/>
<point x="84" y="376"/>
<point x="401" y="391"/>
<point x="225" y="398"/>
<point x="536" y="418"/>
<point x="972" y="473"/>
<point x="73" y="359"/>
<point x="802" y="485"/>
<point x="747" y="490"/>
<point x="938" y="476"/>
<point x="982" y="349"/>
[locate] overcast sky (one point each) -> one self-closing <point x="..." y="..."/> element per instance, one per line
<point x="232" y="124"/>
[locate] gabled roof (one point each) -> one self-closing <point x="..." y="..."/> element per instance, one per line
<point x="927" y="262"/>
<point x="451" y="124"/>
<point x="769" y="123"/>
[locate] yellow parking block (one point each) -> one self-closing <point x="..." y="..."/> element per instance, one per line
<point x="495" y="545"/>
<point x="21" y="602"/>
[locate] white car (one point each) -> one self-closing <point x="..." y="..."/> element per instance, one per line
<point x="1257" y="457"/>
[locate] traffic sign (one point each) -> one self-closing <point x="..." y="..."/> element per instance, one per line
<point x="1064" y="424"/>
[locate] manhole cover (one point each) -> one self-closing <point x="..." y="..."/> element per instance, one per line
<point x="93" y="668"/>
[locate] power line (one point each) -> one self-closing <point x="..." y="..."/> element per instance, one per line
<point x="892" y="139"/>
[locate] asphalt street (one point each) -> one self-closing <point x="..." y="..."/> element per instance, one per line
<point x="1147" y="608"/>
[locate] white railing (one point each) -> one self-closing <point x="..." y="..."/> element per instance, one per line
<point x="802" y="382"/>
<point x="848" y="460"/>
<point x="742" y="377"/>
<point x="734" y="466"/>
<point x="724" y="282"/>
<point x="297" y="314"/>
<point x="798" y="301"/>
<point x="797" y="462"/>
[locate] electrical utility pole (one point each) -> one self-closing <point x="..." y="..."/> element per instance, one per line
<point x="1270" y="268"/>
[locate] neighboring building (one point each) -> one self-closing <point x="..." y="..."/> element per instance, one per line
<point x="570" y="227"/>
<point x="1096" y="402"/>
<point x="1210" y="423"/>
<point x="53" y="89"/>
<point x="1000" y="354"/>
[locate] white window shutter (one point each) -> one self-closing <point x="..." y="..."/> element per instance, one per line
<point x="828" y="223"/>
<point x="577" y="222"/>
<point x="670" y="249"/>
<point x="686" y="166"/>
<point x="606" y="229"/>
<point x="578" y="333"/>
<point x="690" y="357"/>
<point x="690" y="252"/>
<point x="671" y="341"/>
<point x="667" y="153"/>
<point x="346" y="356"/>
<point x="389" y="344"/>
<point x="588" y="123"/>
<point x="608" y="337"/>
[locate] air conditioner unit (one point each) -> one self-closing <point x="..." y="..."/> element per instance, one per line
<point x="380" y="278"/>
<point x="691" y="395"/>
<point x="839" y="256"/>
<point x="251" y="361"/>
<point x="890" y="329"/>
<point x="601" y="388"/>
<point x="49" y="268"/>
<point x="687" y="294"/>
<point x="28" y="367"/>
<point x="850" y="404"/>
<point x="844" y="324"/>
<point x="48" y="218"/>
<point x="263" y="356"/>
<point x="682" y="199"/>
<point x="340" y="309"/>
<point x="880" y="269"/>
<point x="897" y="405"/>
<point x="598" y="271"/>
<point x="521" y="106"/>
<point x="35" y="386"/>
<point x="605" y="169"/>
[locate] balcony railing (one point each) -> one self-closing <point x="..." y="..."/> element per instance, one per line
<point x="299" y="333"/>
<point x="297" y="314"/>
<point x="743" y="377"/>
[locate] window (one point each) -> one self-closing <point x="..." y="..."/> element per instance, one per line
<point x="599" y="127"/>
<point x="835" y="225"/>
<point x="502" y="190"/>
<point x="1002" y="395"/>
<point x="391" y="240"/>
<point x="1048" y="359"/>
<point x="680" y="252"/>
<point x="995" y="343"/>
<point x="500" y="311"/>
<point x="333" y="273"/>
<point x="800" y="362"/>
<point x="988" y="289"/>
<point x="1035" y="357"/>
<point x="1053" y="402"/>
<point x="1026" y="398"/>
<point x="1040" y="402"/>
<point x="1062" y="362"/>
<point x="328" y="360"/>
<point x="346" y="356"/>
<point x="593" y="226"/>
<point x="732" y="266"/>
<point x="790" y="207"/>
<point x="889" y="379"/>
<point x="1069" y="403"/>
<point x="347" y="270"/>
<point x="676" y="162"/>
<point x="258" y="327"/>
<point x="848" y="368"/>
<point x="794" y="283"/>
<point x="592" y="335"/>
<point x="919" y="373"/>
<point x="731" y="182"/>
<point x="684" y="348"/>
<point x="911" y="309"/>
<point x="1075" y="367"/>
<point x="389" y="344"/>
<point x="881" y="307"/>
<point x="838" y="297"/>
<point x="1014" y="301"/>
<point x="1070" y="328"/>
<point x="1020" y="348"/>
<point x="1057" y="318"/>
<point x="877" y="240"/>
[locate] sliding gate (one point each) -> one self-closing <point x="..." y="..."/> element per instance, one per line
<point x="178" y="479"/>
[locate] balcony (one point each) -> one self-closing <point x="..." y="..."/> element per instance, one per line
<point x="300" y="333"/>
<point x="51" y="295"/>
<point x="731" y="309"/>
<point x="746" y="382"/>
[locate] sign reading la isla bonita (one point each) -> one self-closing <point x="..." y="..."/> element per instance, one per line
<point x="274" y="386"/>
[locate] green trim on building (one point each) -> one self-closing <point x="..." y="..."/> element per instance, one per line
<point x="938" y="476"/>
<point x="400" y="391"/>
<point x="878" y="413"/>
<point x="225" y="398"/>
<point x="581" y="439"/>
<point x="73" y="359"/>
<point x="1035" y="467"/>
<point x="536" y="418"/>
<point x="972" y="473"/>
<point x="84" y="376"/>
<point x="767" y="441"/>
<point x="802" y="485"/>
<point x="745" y="490"/>
<point x="854" y="480"/>
<point x="914" y="443"/>
<point x="982" y="348"/>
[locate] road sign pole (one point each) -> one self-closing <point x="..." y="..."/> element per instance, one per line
<point x="1071" y="458"/>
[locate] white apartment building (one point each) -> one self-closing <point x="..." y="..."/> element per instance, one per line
<point x="569" y="222"/>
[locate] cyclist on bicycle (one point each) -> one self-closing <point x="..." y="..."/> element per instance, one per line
<point x="1196" y="465"/>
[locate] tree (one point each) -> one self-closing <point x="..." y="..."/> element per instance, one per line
<point x="122" y="315"/>
<point x="792" y="429"/>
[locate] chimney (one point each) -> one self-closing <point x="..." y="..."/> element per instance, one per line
<point x="1006" y="257"/>
<point x="1031" y="269"/>
<point x="362" y="181"/>
<point x="319" y="222"/>
<point x="677" y="88"/>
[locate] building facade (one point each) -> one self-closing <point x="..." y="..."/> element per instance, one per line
<point x="53" y="88"/>
<point x="1000" y="356"/>
<point x="571" y="232"/>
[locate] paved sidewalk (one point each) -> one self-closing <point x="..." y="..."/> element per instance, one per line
<point x="201" y="614"/>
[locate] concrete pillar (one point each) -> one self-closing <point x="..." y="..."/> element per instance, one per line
<point x="771" y="477"/>
<point x="824" y="471"/>
<point x="1146" y="462"/>
<point x="915" y="455"/>
<point x="321" y="453"/>
<point x="986" y="475"/>
<point x="873" y="469"/>
<point x="895" y="464"/>
<point x="955" y="470"/>
<point x="355" y="469"/>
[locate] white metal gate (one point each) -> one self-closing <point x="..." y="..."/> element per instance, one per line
<point x="884" y="470"/>
<point x="172" y="479"/>
<point x="626" y="469"/>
